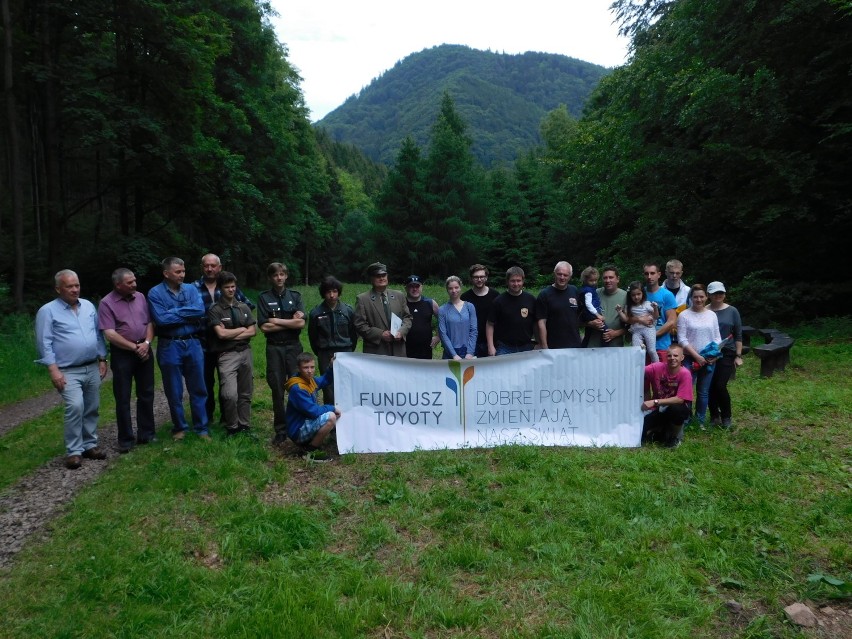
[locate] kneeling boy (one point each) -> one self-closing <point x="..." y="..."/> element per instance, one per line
<point x="308" y="421"/>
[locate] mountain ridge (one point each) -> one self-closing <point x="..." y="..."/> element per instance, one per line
<point x="502" y="98"/>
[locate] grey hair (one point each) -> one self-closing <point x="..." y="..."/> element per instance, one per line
<point x="170" y="262"/>
<point x="119" y="274"/>
<point x="66" y="272"/>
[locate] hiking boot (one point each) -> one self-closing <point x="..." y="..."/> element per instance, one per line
<point x="73" y="462"/>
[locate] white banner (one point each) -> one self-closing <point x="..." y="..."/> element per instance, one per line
<point x="564" y="397"/>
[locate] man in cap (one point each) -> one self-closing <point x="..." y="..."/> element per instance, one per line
<point x="374" y="315"/>
<point x="424" y="313"/>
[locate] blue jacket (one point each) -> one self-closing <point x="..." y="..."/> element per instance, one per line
<point x="303" y="400"/>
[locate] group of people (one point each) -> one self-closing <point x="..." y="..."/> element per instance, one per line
<point x="206" y="327"/>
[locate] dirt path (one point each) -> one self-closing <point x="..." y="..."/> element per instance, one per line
<point x="27" y="507"/>
<point x="14" y="415"/>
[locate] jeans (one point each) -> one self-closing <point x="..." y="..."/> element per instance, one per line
<point x="127" y="367"/>
<point x="183" y="360"/>
<point x="506" y="349"/>
<point x="702" y="378"/>
<point x="82" y="398"/>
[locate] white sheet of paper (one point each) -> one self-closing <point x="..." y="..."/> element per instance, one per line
<point x="396" y="324"/>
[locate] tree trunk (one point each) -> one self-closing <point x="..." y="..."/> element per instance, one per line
<point x="15" y="164"/>
<point x="53" y="188"/>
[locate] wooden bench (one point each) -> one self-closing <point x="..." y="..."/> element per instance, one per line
<point x="748" y="333"/>
<point x="775" y="354"/>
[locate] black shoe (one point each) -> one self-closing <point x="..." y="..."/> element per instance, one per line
<point x="147" y="441"/>
<point x="94" y="453"/>
<point x="279" y="439"/>
<point x="123" y="450"/>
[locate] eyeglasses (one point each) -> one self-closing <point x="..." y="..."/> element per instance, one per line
<point x="480" y="277"/>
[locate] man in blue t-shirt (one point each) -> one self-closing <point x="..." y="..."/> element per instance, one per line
<point x="667" y="304"/>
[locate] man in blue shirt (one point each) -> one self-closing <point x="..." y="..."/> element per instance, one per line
<point x="72" y="348"/>
<point x="667" y="305"/>
<point x="178" y="314"/>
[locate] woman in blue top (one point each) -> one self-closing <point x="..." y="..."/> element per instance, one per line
<point x="457" y="324"/>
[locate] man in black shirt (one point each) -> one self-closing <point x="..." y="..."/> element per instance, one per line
<point x="421" y="339"/>
<point x="511" y="323"/>
<point x="558" y="311"/>
<point x="281" y="317"/>
<point x="482" y="297"/>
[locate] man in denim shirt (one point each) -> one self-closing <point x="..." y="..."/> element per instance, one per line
<point x="72" y="348"/>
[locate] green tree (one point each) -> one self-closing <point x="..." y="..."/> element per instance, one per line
<point x="453" y="215"/>
<point x="725" y="142"/>
<point x="397" y="230"/>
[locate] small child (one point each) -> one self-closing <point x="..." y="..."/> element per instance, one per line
<point x="638" y="305"/>
<point x="308" y="421"/>
<point x="589" y="290"/>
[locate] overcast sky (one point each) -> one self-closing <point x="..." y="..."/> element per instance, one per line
<point x="339" y="46"/>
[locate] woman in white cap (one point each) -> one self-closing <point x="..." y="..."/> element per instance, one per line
<point x="731" y="329"/>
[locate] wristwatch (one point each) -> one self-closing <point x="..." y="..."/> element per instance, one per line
<point x="656" y="402"/>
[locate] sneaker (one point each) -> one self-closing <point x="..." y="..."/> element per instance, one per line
<point x="73" y="462"/>
<point x="147" y="441"/>
<point x="178" y="435"/>
<point x="94" y="453"/>
<point x="726" y="423"/>
<point x="204" y="437"/>
<point x="316" y="456"/>
<point x="674" y="443"/>
<point x="716" y="421"/>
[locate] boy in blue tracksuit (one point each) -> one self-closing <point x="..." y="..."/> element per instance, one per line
<point x="308" y="421"/>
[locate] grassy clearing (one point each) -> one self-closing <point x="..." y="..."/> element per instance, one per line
<point x="20" y="378"/>
<point x="232" y="539"/>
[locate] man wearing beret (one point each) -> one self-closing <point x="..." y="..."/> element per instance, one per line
<point x="374" y="311"/>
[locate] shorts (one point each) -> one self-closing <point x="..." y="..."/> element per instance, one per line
<point x="308" y="430"/>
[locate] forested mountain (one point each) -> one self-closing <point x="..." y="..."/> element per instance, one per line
<point x="502" y="97"/>
<point x="725" y="142"/>
<point x="142" y="129"/>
